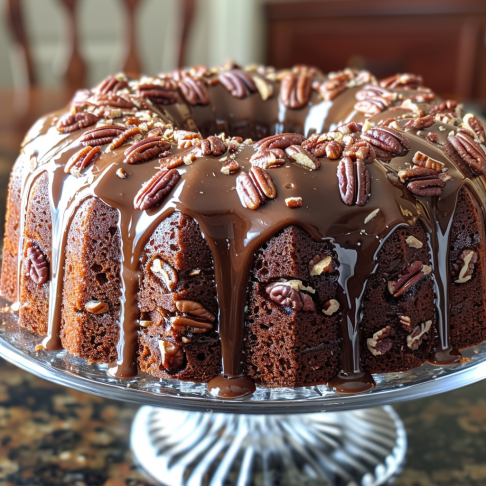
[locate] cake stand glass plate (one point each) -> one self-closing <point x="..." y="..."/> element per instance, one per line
<point x="275" y="436"/>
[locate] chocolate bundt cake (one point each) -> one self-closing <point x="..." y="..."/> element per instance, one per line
<point x="251" y="226"/>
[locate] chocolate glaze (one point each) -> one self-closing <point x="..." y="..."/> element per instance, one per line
<point x="235" y="233"/>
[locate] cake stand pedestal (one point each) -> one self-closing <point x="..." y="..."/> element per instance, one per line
<point x="363" y="447"/>
<point x="285" y="437"/>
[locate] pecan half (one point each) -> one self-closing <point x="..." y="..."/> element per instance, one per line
<point x="194" y="90"/>
<point x="111" y="84"/>
<point x="381" y="343"/>
<point x="303" y="157"/>
<point x="101" y="135"/>
<point x="195" y="309"/>
<point x="159" y="95"/>
<point x="111" y="99"/>
<point x="422" y="181"/>
<point x="145" y="150"/>
<point x="470" y="151"/>
<point x="295" y="90"/>
<point x="71" y="122"/>
<point x="268" y="159"/>
<point x="354" y="181"/>
<point x="407" y="279"/>
<point x="124" y="137"/>
<point x="360" y="150"/>
<point x="212" y="146"/>
<point x="387" y="139"/>
<point x="249" y="195"/>
<point x="183" y="323"/>
<point x="156" y="188"/>
<point x="463" y="268"/>
<point x="405" y="322"/>
<point x="172" y="356"/>
<point x="448" y="106"/>
<point x="237" y="82"/>
<point x="80" y="160"/>
<point x="263" y="183"/>
<point x="402" y="81"/>
<point x="422" y="122"/>
<point x="371" y="106"/>
<point x="423" y="160"/>
<point x="281" y="141"/>
<point x="339" y="81"/>
<point x="471" y="123"/>
<point x="285" y="294"/>
<point x="36" y="265"/>
<point x="415" y="339"/>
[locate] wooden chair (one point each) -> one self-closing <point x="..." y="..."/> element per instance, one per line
<point x="75" y="70"/>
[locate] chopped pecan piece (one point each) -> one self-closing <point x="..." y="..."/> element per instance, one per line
<point x="463" y="268"/>
<point x="156" y="188"/>
<point x="80" y="160"/>
<point x="423" y="97"/>
<point x="172" y="356"/>
<point x="415" y="339"/>
<point x="280" y="141"/>
<point x="303" y="157"/>
<point x="293" y="202"/>
<point x="405" y="322"/>
<point x="264" y="87"/>
<point x="360" y="150"/>
<point x="97" y="307"/>
<point x="263" y="183"/>
<point x="354" y="181"/>
<point x="194" y="90"/>
<point x="212" y="146"/>
<point x="470" y="151"/>
<point x="157" y="94"/>
<point x="340" y="81"/>
<point x="448" y="106"/>
<point x="146" y="150"/>
<point x="422" y="122"/>
<point x="432" y="137"/>
<point x="407" y="279"/>
<point x="71" y="122"/>
<point x="387" y="139"/>
<point x="402" y="81"/>
<point x="36" y="265"/>
<point x="101" y="135"/>
<point x="349" y="128"/>
<point x="230" y="167"/>
<point x="324" y="145"/>
<point x="413" y="242"/>
<point x="471" y="123"/>
<point x="183" y="323"/>
<point x="195" y="309"/>
<point x="295" y="90"/>
<point x="423" y="160"/>
<point x="320" y="264"/>
<point x="124" y="137"/>
<point x="237" y="82"/>
<point x="112" y="84"/>
<point x="112" y="100"/>
<point x="121" y="173"/>
<point x="330" y="307"/>
<point x="166" y="272"/>
<point x="288" y="294"/>
<point x="381" y="343"/>
<point x="268" y="159"/>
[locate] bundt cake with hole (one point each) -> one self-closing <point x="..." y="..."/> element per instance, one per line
<point x="247" y="226"/>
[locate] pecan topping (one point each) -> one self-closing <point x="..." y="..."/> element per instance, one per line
<point x="413" y="242"/>
<point x="422" y="122"/>
<point x="423" y="97"/>
<point x="36" y="265"/>
<point x="121" y="173"/>
<point x="195" y="309"/>
<point x="124" y="137"/>
<point x="293" y="202"/>
<point x="238" y="83"/>
<point x="80" y="160"/>
<point x="324" y="145"/>
<point x="295" y="90"/>
<point x="405" y="322"/>
<point x="448" y="106"/>
<point x="156" y="188"/>
<point x="96" y="307"/>
<point x="338" y="82"/>
<point x="145" y="150"/>
<point x="303" y="157"/>
<point x="330" y="307"/>
<point x="112" y="100"/>
<point x="415" y="339"/>
<point x="354" y="181"/>
<point x="349" y="128"/>
<point x="463" y="268"/>
<point x="264" y="87"/>
<point x="212" y="146"/>
<point x="388" y="140"/>
<point x="432" y="137"/>
<point x="470" y="151"/>
<point x="172" y="356"/>
<point x="373" y="100"/>
<point x="101" y="135"/>
<point x="288" y="294"/>
<point x="111" y="84"/>
<point x="402" y="81"/>
<point x="194" y="90"/>
<point x="281" y="141"/>
<point x="407" y="279"/>
<point x="230" y="167"/>
<point x="422" y="182"/>
<point x="183" y="323"/>
<point x="423" y="160"/>
<point x="360" y="150"/>
<point x="263" y="183"/>
<point x="320" y="264"/>
<point x="471" y="123"/>
<point x="159" y="95"/>
<point x="381" y="343"/>
<point x="166" y="272"/>
<point x="70" y="123"/>
<point x="268" y="159"/>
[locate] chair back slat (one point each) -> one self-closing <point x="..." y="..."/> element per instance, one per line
<point x="189" y="6"/>
<point x="132" y="64"/>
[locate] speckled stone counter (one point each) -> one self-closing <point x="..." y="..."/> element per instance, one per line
<point x="52" y="436"/>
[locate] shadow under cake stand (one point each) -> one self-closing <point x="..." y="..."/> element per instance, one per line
<point x="287" y="437"/>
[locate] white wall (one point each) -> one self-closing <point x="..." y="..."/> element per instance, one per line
<point x="222" y="30"/>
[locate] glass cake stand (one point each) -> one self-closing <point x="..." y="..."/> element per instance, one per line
<point x="304" y="436"/>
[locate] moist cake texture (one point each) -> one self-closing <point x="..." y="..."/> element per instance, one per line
<point x="247" y="226"/>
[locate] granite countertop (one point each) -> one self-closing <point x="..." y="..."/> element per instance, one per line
<point x="50" y="436"/>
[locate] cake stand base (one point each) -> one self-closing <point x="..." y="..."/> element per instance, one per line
<point x="363" y="447"/>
